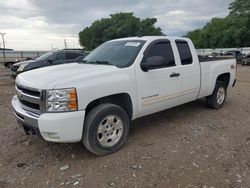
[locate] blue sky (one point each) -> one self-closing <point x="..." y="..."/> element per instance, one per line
<point x="40" y="24"/>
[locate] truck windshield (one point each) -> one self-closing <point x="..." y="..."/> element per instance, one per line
<point x="116" y="53"/>
<point x="44" y="56"/>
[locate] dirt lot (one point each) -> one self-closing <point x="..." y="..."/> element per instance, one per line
<point x="188" y="146"/>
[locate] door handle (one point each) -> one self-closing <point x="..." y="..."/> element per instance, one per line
<point x="174" y="74"/>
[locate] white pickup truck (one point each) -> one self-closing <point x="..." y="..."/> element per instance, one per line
<point x="95" y="100"/>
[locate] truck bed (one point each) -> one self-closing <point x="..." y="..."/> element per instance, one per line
<point x="218" y="58"/>
<point x="210" y="71"/>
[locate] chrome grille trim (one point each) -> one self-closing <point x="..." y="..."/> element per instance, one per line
<point x="27" y="97"/>
<point x="31" y="103"/>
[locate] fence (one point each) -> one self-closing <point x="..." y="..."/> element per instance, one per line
<point x="244" y="50"/>
<point x="12" y="56"/>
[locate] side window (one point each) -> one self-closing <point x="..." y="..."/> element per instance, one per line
<point x="70" y="55"/>
<point x="184" y="52"/>
<point x="60" y="56"/>
<point x="163" y="49"/>
<point x="237" y="53"/>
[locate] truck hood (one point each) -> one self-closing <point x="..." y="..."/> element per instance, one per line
<point x="49" y="77"/>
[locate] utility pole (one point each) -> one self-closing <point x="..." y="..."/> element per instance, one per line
<point x="3" y="45"/>
<point x="65" y="44"/>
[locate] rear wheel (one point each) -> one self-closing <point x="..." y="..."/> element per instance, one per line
<point x="106" y="129"/>
<point x="217" y="99"/>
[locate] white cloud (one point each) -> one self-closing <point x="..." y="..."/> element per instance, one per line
<point x="36" y="24"/>
<point x="36" y="33"/>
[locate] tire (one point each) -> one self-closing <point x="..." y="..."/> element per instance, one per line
<point x="102" y="133"/>
<point x="218" y="98"/>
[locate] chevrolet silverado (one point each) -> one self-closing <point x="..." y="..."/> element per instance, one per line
<point x="95" y="100"/>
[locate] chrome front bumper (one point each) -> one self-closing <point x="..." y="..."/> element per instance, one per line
<point x="27" y="120"/>
<point x="53" y="127"/>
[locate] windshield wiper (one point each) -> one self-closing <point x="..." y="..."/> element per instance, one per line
<point x="97" y="62"/>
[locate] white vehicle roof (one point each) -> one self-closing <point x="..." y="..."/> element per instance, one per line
<point x="152" y="38"/>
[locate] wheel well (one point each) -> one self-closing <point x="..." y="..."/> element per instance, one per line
<point x="123" y="100"/>
<point x="224" y="78"/>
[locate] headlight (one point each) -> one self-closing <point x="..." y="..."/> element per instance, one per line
<point x="21" y="67"/>
<point x="61" y="100"/>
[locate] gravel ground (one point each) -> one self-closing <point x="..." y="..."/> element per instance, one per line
<point x="187" y="146"/>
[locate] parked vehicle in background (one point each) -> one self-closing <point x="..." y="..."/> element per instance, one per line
<point x="8" y="64"/>
<point x="236" y="53"/>
<point x="14" y="56"/>
<point x="94" y="101"/>
<point x="48" y="59"/>
<point x="246" y="60"/>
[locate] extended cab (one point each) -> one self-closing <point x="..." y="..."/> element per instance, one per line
<point x="95" y="100"/>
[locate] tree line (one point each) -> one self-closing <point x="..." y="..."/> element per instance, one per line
<point x="231" y="31"/>
<point x="119" y="25"/>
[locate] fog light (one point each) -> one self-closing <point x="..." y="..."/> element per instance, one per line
<point x="51" y="135"/>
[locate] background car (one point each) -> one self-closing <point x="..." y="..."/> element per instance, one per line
<point x="48" y="59"/>
<point x="236" y="53"/>
<point x="246" y="60"/>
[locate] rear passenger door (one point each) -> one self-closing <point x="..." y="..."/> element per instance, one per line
<point x="189" y="70"/>
<point x="159" y="88"/>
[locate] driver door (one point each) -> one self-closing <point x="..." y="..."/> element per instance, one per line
<point x="160" y="87"/>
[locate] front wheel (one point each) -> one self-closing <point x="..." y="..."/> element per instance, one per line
<point x="217" y="99"/>
<point x="106" y="129"/>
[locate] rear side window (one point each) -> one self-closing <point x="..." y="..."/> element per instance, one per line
<point x="70" y="55"/>
<point x="184" y="52"/>
<point x="163" y="49"/>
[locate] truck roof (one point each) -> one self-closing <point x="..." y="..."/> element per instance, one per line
<point x="151" y="38"/>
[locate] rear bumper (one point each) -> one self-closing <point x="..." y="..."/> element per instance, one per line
<point x="53" y="127"/>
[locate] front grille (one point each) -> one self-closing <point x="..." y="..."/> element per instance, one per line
<point x="31" y="99"/>
<point x="28" y="91"/>
<point x="30" y="105"/>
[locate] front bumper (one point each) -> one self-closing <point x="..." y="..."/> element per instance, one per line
<point x="14" y="75"/>
<point x="27" y="120"/>
<point x="64" y="127"/>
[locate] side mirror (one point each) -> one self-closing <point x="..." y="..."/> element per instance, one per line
<point x="152" y="62"/>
